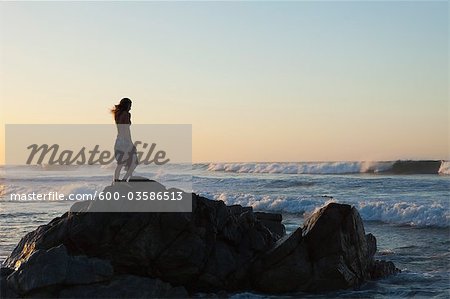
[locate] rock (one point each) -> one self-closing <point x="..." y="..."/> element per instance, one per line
<point x="337" y="247"/>
<point x="238" y="209"/>
<point x="53" y="267"/>
<point x="43" y="268"/>
<point x="55" y="274"/>
<point x="273" y="222"/>
<point x="4" y="271"/>
<point x="330" y="252"/>
<point x="213" y="248"/>
<point x="179" y="248"/>
<point x="282" y="248"/>
<point x="371" y="244"/>
<point x="382" y="269"/>
<point x="285" y="268"/>
<point x="84" y="270"/>
<point x="120" y="192"/>
<point x="125" y="286"/>
<point x="5" y="291"/>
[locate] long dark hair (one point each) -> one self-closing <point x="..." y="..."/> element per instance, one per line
<point x="124" y="105"/>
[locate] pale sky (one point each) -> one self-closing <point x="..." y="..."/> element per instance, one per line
<point x="258" y="81"/>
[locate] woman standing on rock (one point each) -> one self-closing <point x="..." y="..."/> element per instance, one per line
<point x="124" y="149"/>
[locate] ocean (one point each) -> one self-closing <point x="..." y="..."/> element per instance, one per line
<point x="405" y="205"/>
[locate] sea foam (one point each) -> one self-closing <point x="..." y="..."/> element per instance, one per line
<point x="397" y="167"/>
<point x="445" y="168"/>
<point x="303" y="167"/>
<point x="399" y="213"/>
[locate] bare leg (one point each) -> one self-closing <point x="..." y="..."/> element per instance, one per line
<point x="131" y="167"/>
<point x="117" y="171"/>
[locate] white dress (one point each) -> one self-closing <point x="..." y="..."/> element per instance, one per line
<point x="124" y="149"/>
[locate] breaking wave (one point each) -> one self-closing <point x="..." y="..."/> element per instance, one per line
<point x="444" y="168"/>
<point x="395" y="167"/>
<point x="432" y="214"/>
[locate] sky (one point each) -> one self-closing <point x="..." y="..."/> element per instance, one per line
<point x="258" y="81"/>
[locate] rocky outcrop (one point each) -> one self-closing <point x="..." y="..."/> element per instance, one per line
<point x="213" y="248"/>
<point x="125" y="286"/>
<point x="55" y="266"/>
<point x="54" y="273"/>
<point x="331" y="251"/>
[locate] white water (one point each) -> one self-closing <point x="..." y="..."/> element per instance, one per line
<point x="417" y="200"/>
<point x="302" y="168"/>
<point x="316" y="167"/>
<point x="445" y="168"/>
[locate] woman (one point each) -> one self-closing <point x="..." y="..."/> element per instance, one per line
<point x="124" y="149"/>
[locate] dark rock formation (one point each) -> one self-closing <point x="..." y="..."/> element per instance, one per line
<point x="381" y="269"/>
<point x="5" y="291"/>
<point x="330" y="252"/>
<point x="272" y="222"/>
<point x="54" y="266"/>
<point x="125" y="286"/>
<point x="213" y="248"/>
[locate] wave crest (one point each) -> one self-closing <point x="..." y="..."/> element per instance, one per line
<point x="445" y="168"/>
<point x="395" y="167"/>
<point x="400" y="213"/>
<point x="303" y="167"/>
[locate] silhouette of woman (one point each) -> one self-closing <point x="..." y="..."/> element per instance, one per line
<point x="124" y="149"/>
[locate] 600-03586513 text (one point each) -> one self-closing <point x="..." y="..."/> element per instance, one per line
<point x="144" y="195"/>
